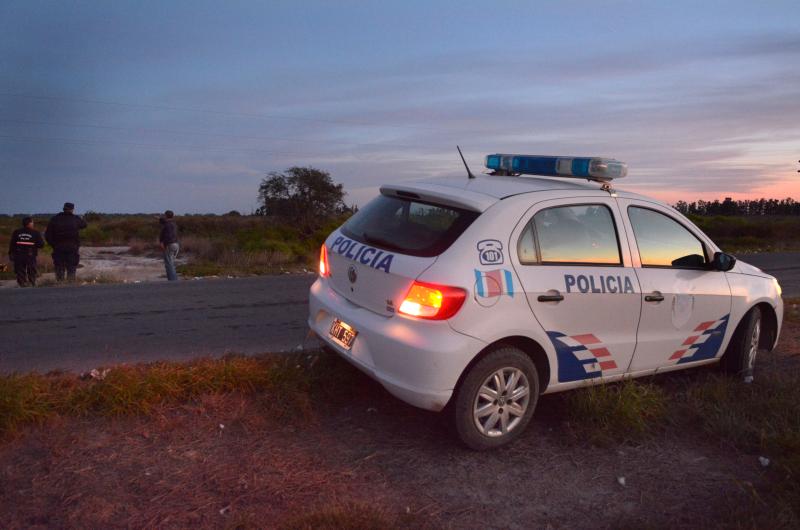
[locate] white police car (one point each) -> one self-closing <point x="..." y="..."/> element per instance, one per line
<point x="485" y="292"/>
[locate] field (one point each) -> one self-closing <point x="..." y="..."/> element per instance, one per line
<point x="742" y="234"/>
<point x="306" y="441"/>
<point x="237" y="245"/>
<point x="231" y="245"/>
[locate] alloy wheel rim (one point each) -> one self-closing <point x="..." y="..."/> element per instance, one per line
<point x="501" y="402"/>
<point x="753" y="347"/>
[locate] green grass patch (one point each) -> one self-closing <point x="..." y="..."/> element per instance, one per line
<point x="612" y="413"/>
<point x="199" y="269"/>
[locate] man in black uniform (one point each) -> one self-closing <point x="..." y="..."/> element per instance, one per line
<point x="22" y="250"/>
<point x="63" y="235"/>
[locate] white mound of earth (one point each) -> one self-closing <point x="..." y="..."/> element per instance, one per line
<point x="105" y="264"/>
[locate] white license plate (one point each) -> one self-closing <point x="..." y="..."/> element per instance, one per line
<point x="343" y="333"/>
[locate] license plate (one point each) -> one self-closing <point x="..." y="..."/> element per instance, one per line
<point x="343" y="333"/>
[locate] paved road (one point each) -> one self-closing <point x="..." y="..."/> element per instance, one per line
<point x="783" y="265"/>
<point x="79" y="328"/>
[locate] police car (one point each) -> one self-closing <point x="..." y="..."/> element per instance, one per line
<point x="479" y="294"/>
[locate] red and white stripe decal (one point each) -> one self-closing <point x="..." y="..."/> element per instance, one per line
<point x="590" y="348"/>
<point x="698" y="337"/>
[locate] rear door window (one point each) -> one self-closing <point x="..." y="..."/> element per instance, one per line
<point x="582" y="234"/>
<point x="408" y="226"/>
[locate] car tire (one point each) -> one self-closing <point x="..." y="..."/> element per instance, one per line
<point x="740" y="356"/>
<point x="486" y="418"/>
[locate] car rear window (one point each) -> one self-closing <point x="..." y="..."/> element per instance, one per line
<point x="408" y="226"/>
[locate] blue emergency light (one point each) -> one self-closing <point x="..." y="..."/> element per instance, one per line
<point x="592" y="168"/>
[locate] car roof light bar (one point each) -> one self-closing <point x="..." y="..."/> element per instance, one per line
<point x="590" y="168"/>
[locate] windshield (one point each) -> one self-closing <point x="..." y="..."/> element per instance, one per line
<point x="408" y="226"/>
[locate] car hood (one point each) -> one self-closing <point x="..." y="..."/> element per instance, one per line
<point x="742" y="267"/>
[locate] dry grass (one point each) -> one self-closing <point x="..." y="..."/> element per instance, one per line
<point x="208" y="257"/>
<point x="343" y="517"/>
<point x="761" y="419"/>
<point x="139" y="247"/>
<point x="697" y="408"/>
<point x="282" y="382"/>
<point x="214" y="245"/>
<point x="791" y="310"/>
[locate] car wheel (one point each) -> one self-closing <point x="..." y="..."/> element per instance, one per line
<point x="740" y="357"/>
<point x="496" y="399"/>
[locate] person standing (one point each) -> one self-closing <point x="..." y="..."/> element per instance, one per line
<point x="168" y="239"/>
<point x="22" y="251"/>
<point x="63" y="234"/>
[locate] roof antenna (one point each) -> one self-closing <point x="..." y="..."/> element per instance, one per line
<point x="469" y="173"/>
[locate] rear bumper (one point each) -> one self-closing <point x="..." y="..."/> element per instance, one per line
<point x="418" y="361"/>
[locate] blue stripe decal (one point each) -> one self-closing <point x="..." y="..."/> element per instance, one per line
<point x="509" y="282"/>
<point x="479" y="282"/>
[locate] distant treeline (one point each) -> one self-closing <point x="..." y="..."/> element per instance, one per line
<point x="740" y="208"/>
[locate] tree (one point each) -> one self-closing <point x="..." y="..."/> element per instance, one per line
<point x="304" y="196"/>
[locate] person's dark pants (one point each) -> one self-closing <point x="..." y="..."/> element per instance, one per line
<point x="65" y="262"/>
<point x="25" y="269"/>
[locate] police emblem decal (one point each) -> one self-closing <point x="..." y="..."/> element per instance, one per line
<point x="352" y="275"/>
<point x="490" y="252"/>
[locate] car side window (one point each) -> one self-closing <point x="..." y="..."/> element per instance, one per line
<point x="664" y="242"/>
<point x="582" y="234"/>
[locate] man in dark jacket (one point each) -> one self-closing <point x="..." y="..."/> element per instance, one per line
<point x="168" y="239"/>
<point x="22" y="250"/>
<point x="63" y="235"/>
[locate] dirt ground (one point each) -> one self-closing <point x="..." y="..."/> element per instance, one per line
<point x="222" y="463"/>
<point x="110" y="264"/>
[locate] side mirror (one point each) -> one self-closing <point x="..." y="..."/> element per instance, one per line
<point x="722" y="262"/>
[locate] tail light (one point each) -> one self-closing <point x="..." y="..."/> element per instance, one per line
<point x="434" y="302"/>
<point x="324" y="268"/>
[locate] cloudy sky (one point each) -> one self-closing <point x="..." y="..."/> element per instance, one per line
<point x="142" y="106"/>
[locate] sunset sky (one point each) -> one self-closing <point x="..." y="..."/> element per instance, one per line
<point x="142" y="106"/>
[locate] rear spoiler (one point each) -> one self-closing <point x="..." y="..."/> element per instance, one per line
<point x="444" y="195"/>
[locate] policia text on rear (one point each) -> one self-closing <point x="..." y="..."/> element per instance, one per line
<point x="476" y="295"/>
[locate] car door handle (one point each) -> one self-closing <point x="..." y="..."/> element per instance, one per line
<point x="550" y="297"/>
<point x="654" y="297"/>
